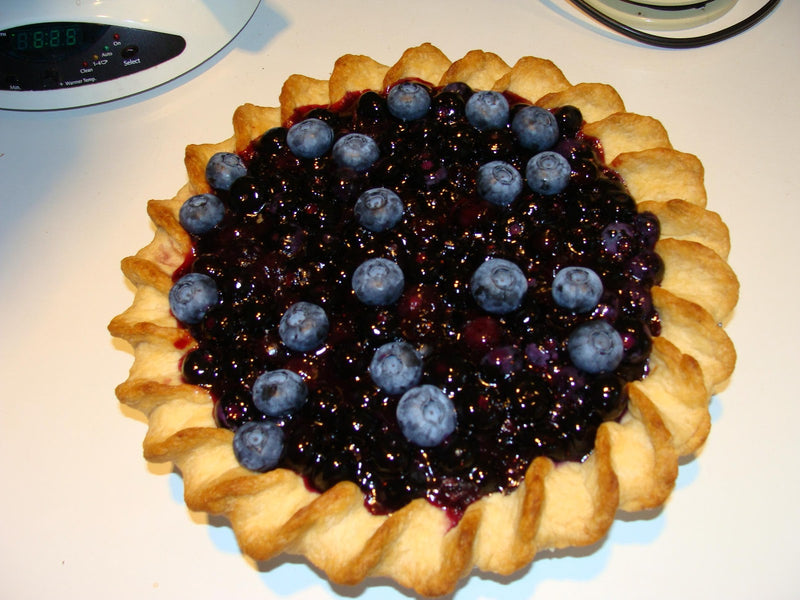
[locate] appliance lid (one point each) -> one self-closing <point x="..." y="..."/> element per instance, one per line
<point x="66" y="54"/>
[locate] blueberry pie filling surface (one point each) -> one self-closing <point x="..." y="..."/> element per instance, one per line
<point x="430" y="317"/>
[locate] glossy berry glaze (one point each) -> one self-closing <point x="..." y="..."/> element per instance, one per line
<point x="289" y="235"/>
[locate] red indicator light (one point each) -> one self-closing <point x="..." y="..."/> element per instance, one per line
<point x="116" y="37"/>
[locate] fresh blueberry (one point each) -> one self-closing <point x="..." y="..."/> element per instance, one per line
<point x="535" y="128"/>
<point x="258" y="445"/>
<point x="191" y="297"/>
<point x="408" y="101"/>
<point x="487" y="110"/>
<point x="378" y="281"/>
<point x="499" y="183"/>
<point x="547" y="173"/>
<point x="304" y="326"/>
<point x="577" y="289"/>
<point x="379" y="209"/>
<point x="595" y="347"/>
<point x="396" y="367"/>
<point x="355" y="151"/>
<point x="498" y="286"/>
<point x="201" y="213"/>
<point x="310" y="138"/>
<point x="426" y="415"/>
<point x="223" y="169"/>
<point x="279" y="392"/>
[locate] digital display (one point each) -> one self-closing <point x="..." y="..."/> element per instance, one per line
<point x="52" y="37"/>
<point x="49" y="41"/>
<point x="63" y="54"/>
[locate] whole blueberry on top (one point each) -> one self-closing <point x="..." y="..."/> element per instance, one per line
<point x="498" y="286"/>
<point x="396" y="367"/>
<point x="378" y="281"/>
<point x="279" y="392"/>
<point x="223" y="168"/>
<point x="258" y="445"/>
<point x="577" y="289"/>
<point x="355" y="151"/>
<point x="535" y="128"/>
<point x="487" y="110"/>
<point x="408" y="101"/>
<point x="191" y="297"/>
<point x="379" y="209"/>
<point x="304" y="326"/>
<point x="499" y="183"/>
<point x="426" y="416"/>
<point x="310" y="138"/>
<point x="201" y="213"/>
<point x="595" y="347"/>
<point x="548" y="173"/>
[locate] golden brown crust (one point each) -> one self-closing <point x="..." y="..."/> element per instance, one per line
<point x="355" y="73"/>
<point x="299" y="91"/>
<point x="425" y="62"/>
<point x="596" y="101"/>
<point x="623" y="132"/>
<point x="676" y="388"/>
<point x="659" y="174"/>
<point x="478" y="69"/>
<point x="693" y="330"/>
<point x="642" y="455"/>
<point x="697" y="273"/>
<point x="250" y="121"/>
<point x="635" y="460"/>
<point x="686" y="221"/>
<point x="533" y="77"/>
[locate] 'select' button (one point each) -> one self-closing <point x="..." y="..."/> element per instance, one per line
<point x="130" y="51"/>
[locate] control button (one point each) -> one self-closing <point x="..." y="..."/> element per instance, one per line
<point x="130" y="51"/>
<point x="50" y="79"/>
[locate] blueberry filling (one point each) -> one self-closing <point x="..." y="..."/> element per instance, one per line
<point x="419" y="349"/>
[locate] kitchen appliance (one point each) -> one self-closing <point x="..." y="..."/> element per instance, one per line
<point x="68" y="53"/>
<point x="636" y="19"/>
<point x="663" y="15"/>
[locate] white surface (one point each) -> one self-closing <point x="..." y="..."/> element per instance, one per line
<point x="85" y="517"/>
<point x="212" y="25"/>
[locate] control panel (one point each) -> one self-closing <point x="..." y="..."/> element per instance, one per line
<point x="62" y="55"/>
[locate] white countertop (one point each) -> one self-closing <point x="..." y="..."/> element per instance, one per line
<point x="85" y="516"/>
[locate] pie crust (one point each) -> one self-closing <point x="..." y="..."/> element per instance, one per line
<point x="635" y="461"/>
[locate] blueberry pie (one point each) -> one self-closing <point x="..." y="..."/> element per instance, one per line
<point x="431" y="317"/>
